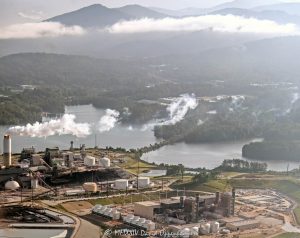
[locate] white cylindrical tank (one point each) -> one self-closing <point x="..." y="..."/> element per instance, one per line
<point x="214" y="227"/>
<point x="105" y="162"/>
<point x="205" y="229"/>
<point x="144" y="182"/>
<point x="121" y="184"/>
<point x="195" y="231"/>
<point x="185" y="233"/>
<point x="11" y="185"/>
<point x="7" y="150"/>
<point x="34" y="183"/>
<point x="89" y="161"/>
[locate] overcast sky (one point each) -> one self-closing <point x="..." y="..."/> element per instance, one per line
<point x="17" y="11"/>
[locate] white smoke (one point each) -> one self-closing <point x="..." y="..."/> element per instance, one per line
<point x="38" y="30"/>
<point x="65" y="125"/>
<point x="218" y="23"/>
<point x="109" y="120"/>
<point x="180" y="107"/>
<point x="177" y="111"/>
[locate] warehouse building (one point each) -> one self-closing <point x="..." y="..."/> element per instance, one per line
<point x="243" y="225"/>
<point x="146" y="209"/>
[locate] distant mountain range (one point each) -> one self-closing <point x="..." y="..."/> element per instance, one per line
<point x="258" y="61"/>
<point x="98" y="15"/>
<point x="290" y="8"/>
<point x="244" y="4"/>
<point x="273" y="15"/>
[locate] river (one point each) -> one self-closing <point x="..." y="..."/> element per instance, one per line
<point x="191" y="155"/>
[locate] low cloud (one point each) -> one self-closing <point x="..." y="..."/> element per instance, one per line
<point x="38" y="30"/>
<point x="218" y="23"/>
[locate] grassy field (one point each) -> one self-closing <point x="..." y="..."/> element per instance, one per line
<point x="132" y="165"/>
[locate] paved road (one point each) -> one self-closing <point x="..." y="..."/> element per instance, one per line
<point x="88" y="229"/>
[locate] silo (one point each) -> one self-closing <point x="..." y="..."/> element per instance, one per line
<point x="105" y="162"/>
<point x="7" y="150"/>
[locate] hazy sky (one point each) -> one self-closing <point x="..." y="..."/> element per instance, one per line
<point x="17" y="11"/>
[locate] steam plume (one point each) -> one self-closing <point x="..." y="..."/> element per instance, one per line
<point x="109" y="120"/>
<point x="180" y="107"/>
<point x="65" y="125"/>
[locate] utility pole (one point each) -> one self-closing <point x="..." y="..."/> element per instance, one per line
<point x="138" y="172"/>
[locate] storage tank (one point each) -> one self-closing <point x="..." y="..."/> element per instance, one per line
<point x="185" y="233"/>
<point x="89" y="161"/>
<point x="105" y="162"/>
<point x="214" y="227"/>
<point x="34" y="183"/>
<point x="205" y="229"/>
<point x="90" y="187"/>
<point x="195" y="231"/>
<point x="7" y="150"/>
<point x="144" y="182"/>
<point x="11" y="185"/>
<point x="121" y="184"/>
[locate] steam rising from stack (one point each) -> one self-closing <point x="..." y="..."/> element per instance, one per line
<point x="62" y="126"/>
<point x="109" y="120"/>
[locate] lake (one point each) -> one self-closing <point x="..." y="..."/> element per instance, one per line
<point x="126" y="136"/>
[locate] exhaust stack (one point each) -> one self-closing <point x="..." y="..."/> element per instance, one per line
<point x="7" y="150"/>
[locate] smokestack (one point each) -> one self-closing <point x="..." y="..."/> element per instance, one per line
<point x="7" y="150"/>
<point x="217" y="198"/>
<point x="182" y="202"/>
<point x="72" y="146"/>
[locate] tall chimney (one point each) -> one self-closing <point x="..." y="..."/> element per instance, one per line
<point x="72" y="146"/>
<point x="7" y="150"/>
